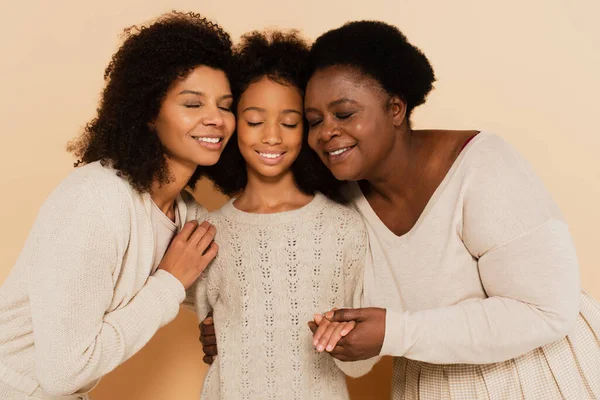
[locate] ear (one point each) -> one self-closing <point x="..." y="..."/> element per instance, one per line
<point x="397" y="107"/>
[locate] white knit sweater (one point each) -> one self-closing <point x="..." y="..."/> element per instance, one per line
<point x="80" y="299"/>
<point x="272" y="274"/>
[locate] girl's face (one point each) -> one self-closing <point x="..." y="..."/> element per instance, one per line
<point x="350" y="125"/>
<point x="270" y="127"/>
<point x="195" y="120"/>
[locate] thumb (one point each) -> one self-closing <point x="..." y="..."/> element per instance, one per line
<point x="344" y="315"/>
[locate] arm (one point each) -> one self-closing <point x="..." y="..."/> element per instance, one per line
<point x="73" y="252"/>
<point x="528" y="268"/>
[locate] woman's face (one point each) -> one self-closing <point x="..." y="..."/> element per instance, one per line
<point x="351" y="127"/>
<point x="270" y="127"/>
<point x="195" y="120"/>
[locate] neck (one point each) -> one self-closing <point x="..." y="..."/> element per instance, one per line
<point x="271" y="194"/>
<point x="164" y="195"/>
<point x="396" y="173"/>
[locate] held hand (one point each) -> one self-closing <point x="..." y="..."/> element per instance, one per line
<point x="329" y="333"/>
<point x="362" y="342"/>
<point x="208" y="339"/>
<point x="190" y="252"/>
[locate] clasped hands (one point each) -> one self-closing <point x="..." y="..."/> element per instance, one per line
<point x="349" y="334"/>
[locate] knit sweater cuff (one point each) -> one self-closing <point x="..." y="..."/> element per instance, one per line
<point x="395" y="340"/>
<point x="170" y="292"/>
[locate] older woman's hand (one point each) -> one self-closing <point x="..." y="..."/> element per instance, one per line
<point x="364" y="340"/>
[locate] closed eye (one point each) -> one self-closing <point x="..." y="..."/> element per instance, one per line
<point x="253" y="123"/>
<point x="343" y="115"/>
<point x="290" y="126"/>
<point x="314" y="123"/>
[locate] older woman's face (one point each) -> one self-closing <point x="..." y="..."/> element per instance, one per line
<point x="350" y="125"/>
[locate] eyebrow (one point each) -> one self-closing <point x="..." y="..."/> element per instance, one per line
<point x="332" y="104"/>
<point x="197" y="93"/>
<point x="287" y="111"/>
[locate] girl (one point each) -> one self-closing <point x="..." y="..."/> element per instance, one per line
<point x="286" y="250"/>
<point x="91" y="286"/>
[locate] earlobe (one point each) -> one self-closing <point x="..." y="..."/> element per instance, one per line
<point x="398" y="109"/>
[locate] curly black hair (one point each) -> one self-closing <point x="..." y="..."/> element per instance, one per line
<point x="151" y="58"/>
<point x="281" y="57"/>
<point x="380" y="51"/>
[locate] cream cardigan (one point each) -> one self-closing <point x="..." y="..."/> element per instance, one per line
<point x="80" y="299"/>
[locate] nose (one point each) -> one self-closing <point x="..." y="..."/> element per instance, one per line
<point x="212" y="116"/>
<point x="271" y="134"/>
<point x="329" y="130"/>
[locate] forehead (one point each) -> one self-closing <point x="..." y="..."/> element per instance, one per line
<point x="337" y="82"/>
<point x="268" y="93"/>
<point x="204" y="79"/>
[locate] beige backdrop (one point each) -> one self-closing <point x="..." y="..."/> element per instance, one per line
<point x="527" y="70"/>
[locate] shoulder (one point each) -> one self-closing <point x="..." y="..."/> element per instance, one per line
<point x="488" y="152"/>
<point x="93" y="189"/>
<point x="194" y="209"/>
<point x="94" y="179"/>
<point x="345" y="215"/>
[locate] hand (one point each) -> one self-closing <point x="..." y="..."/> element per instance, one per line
<point x="190" y="252"/>
<point x="329" y="333"/>
<point x="365" y="340"/>
<point x="208" y="339"/>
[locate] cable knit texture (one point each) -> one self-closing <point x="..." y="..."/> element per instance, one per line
<point x="272" y="274"/>
<point x="80" y="299"/>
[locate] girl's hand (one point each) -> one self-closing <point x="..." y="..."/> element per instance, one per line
<point x="329" y="333"/>
<point x="362" y="342"/>
<point x="190" y="252"/>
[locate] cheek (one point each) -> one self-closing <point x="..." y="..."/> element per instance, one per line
<point x="230" y="123"/>
<point x="312" y="140"/>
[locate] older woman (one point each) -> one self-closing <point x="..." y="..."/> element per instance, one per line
<point x="474" y="282"/>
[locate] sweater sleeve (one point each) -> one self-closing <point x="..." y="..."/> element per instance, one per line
<point x="526" y="262"/>
<point x="73" y="261"/>
<point x="354" y="262"/>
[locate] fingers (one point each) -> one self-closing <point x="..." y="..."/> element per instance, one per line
<point x="200" y="232"/>
<point x="210" y="350"/>
<point x="330" y="337"/>
<point x="313" y="326"/>
<point x="208" y="340"/>
<point x="320" y="332"/>
<point x="211" y="252"/>
<point x="336" y="335"/>
<point x="344" y="315"/>
<point x="208" y="359"/>
<point x="188" y="229"/>
<point x="348" y="326"/>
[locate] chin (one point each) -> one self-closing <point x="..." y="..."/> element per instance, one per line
<point x="208" y="161"/>
<point x="343" y="173"/>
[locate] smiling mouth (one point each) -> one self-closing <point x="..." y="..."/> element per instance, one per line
<point x="339" y="152"/>
<point x="213" y="140"/>
<point x="271" y="156"/>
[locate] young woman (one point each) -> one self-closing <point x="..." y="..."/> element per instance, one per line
<point x="286" y="250"/>
<point x="91" y="286"/>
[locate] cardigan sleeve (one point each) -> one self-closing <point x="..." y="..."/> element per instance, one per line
<point x="73" y="260"/>
<point x="527" y="265"/>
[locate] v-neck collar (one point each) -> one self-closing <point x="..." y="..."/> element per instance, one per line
<point x="370" y="215"/>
